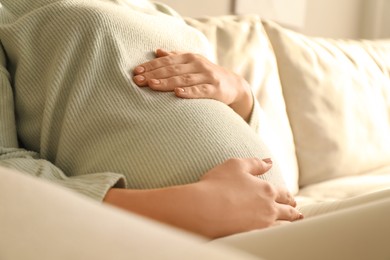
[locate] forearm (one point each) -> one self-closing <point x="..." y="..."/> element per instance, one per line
<point x="228" y="199"/>
<point x="179" y="206"/>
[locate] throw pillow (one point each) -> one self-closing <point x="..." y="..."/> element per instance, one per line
<point x="337" y="94"/>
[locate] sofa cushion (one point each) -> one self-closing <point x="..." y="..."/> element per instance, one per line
<point x="337" y="94"/>
<point x="346" y="187"/>
<point x="42" y="220"/>
<point x="241" y="45"/>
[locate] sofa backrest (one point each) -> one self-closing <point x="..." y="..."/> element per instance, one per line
<point x="325" y="102"/>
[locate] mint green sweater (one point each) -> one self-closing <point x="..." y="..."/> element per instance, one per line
<point x="70" y="112"/>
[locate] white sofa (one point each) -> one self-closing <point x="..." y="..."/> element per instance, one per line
<point x="325" y="116"/>
<point x="325" y="102"/>
<point x="42" y="221"/>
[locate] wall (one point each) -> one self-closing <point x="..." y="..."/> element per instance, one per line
<point x="334" y="18"/>
<point x="385" y="32"/>
<point x="376" y="19"/>
<point x="198" y="8"/>
<point x="325" y="18"/>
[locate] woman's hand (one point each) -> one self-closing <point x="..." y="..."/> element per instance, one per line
<point x="193" y="76"/>
<point x="227" y="200"/>
<point x="236" y="200"/>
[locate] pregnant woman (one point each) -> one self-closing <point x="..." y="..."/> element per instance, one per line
<point x="89" y="103"/>
<point x="118" y="100"/>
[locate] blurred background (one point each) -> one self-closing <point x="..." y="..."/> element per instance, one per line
<point x="352" y="19"/>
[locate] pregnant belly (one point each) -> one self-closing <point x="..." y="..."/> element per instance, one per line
<point x="162" y="143"/>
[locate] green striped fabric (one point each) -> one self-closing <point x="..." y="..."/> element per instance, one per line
<point x="80" y="119"/>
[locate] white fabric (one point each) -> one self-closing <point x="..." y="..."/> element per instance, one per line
<point x="43" y="221"/>
<point x="337" y="94"/>
<point x="319" y="208"/>
<point x="356" y="233"/>
<point x="345" y="187"/>
<point x="40" y="220"/>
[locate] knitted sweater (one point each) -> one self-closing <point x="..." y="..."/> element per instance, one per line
<point x="70" y="112"/>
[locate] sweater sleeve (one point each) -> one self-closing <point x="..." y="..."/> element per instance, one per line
<point x="12" y="156"/>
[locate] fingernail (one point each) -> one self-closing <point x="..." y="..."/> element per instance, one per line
<point x="180" y="90"/>
<point x="139" y="69"/>
<point x="294" y="202"/>
<point x="155" y="81"/>
<point x="268" y="160"/>
<point x="301" y="216"/>
<point x="139" y="78"/>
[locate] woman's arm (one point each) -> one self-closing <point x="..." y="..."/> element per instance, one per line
<point x="228" y="199"/>
<point x="12" y="156"/>
<point x="193" y="76"/>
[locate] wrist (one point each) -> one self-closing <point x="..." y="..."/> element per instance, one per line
<point x="243" y="104"/>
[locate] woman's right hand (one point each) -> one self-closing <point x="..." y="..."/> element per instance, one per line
<point x="192" y="76"/>
<point x="235" y="200"/>
<point x="228" y="199"/>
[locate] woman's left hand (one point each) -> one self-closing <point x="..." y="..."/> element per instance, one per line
<point x="192" y="76"/>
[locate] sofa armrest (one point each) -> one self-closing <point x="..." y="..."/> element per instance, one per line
<point x="40" y="220"/>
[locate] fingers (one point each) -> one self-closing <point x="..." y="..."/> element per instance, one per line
<point x="168" y="77"/>
<point x="189" y="75"/>
<point x="192" y="83"/>
<point x="285" y="204"/>
<point x="197" y="91"/>
<point x="285" y="197"/>
<point x="162" y="53"/>
<point x="258" y="166"/>
<point x="165" y="59"/>
<point x="172" y="70"/>
<point x="287" y="213"/>
<point x="254" y="166"/>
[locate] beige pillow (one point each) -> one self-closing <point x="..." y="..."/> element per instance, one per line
<point x="337" y="94"/>
<point x="241" y="45"/>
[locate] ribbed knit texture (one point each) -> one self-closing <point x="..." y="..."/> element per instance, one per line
<point x="77" y="109"/>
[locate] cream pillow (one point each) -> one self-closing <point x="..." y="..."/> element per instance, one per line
<point x="241" y="45"/>
<point x="337" y="94"/>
